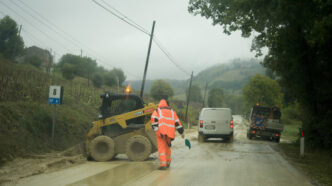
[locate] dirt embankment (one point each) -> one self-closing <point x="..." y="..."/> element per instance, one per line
<point x="31" y="165"/>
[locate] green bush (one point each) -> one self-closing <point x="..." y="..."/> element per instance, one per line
<point x="292" y="114"/>
<point x="33" y="60"/>
<point x="97" y="80"/>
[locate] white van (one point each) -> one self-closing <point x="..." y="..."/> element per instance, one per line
<point x="215" y="123"/>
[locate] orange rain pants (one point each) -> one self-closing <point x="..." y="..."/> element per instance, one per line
<point x="164" y="149"/>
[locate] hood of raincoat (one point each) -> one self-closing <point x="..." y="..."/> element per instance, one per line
<point x="162" y="103"/>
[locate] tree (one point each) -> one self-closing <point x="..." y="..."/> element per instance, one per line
<point x="68" y="71"/>
<point x="160" y="89"/>
<point x="262" y="90"/>
<point x="119" y="75"/>
<point x="97" y="80"/>
<point x="110" y="79"/>
<point x="216" y="98"/>
<point x="83" y="66"/>
<point x="235" y="102"/>
<point x="33" y="60"/>
<point x="298" y="37"/>
<point x="195" y="94"/>
<point x="11" y="44"/>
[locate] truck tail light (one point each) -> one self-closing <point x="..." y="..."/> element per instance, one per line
<point x="232" y="126"/>
<point x="253" y="132"/>
<point x="201" y="124"/>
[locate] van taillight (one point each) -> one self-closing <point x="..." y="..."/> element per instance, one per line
<point x="201" y="123"/>
<point x="231" y="124"/>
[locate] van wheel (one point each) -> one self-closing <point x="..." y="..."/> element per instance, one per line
<point x="201" y="138"/>
<point x="138" y="148"/>
<point x="230" y="139"/>
<point x="102" y="148"/>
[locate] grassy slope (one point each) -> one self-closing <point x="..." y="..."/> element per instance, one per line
<point x="26" y="117"/>
<point x="317" y="164"/>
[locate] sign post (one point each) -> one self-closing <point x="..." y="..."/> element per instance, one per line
<point x="55" y="98"/>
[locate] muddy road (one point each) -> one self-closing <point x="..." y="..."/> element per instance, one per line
<point x="243" y="162"/>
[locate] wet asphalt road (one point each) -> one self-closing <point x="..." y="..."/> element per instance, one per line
<point x="243" y="162"/>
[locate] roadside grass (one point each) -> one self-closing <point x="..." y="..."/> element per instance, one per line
<point x="317" y="164"/>
<point x="291" y="131"/>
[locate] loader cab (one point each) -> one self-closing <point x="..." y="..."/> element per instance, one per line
<point x="115" y="104"/>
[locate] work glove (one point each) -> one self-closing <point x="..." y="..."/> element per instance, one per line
<point x="155" y="129"/>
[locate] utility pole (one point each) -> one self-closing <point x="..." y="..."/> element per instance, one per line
<point x="19" y="31"/>
<point x="147" y="59"/>
<point x="81" y="53"/>
<point x="206" y="84"/>
<point x="188" y="98"/>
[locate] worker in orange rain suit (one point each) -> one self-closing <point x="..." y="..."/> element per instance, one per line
<point x="164" y="121"/>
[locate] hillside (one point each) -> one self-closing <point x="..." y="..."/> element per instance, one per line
<point x="26" y="116"/>
<point x="178" y="86"/>
<point x="229" y="76"/>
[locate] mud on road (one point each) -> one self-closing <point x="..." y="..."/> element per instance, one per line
<point x="24" y="167"/>
<point x="214" y="162"/>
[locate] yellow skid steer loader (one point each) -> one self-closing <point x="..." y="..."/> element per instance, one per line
<point x="124" y="127"/>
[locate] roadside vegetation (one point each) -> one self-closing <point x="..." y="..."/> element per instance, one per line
<point x="26" y="116"/>
<point x="316" y="163"/>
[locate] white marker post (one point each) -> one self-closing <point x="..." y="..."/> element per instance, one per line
<point x="301" y="143"/>
<point x="55" y="98"/>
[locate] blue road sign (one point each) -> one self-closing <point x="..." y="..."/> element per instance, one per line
<point x="259" y="122"/>
<point x="54" y="100"/>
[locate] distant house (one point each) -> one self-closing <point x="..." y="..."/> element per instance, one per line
<point x="41" y="54"/>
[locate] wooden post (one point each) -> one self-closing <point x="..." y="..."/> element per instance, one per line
<point x="188" y="99"/>
<point x="147" y="60"/>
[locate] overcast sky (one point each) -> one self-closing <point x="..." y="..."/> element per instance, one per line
<point x="73" y="25"/>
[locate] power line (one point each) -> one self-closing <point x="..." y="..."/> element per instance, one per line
<point x="47" y="24"/>
<point x="48" y="36"/>
<point x="121" y="18"/>
<point x="2" y="13"/>
<point x="75" y="42"/>
<point x="169" y="56"/>
<point x="32" y="36"/>
<point x="125" y="17"/>
<point x="140" y="28"/>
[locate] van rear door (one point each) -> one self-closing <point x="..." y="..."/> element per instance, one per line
<point x="217" y="120"/>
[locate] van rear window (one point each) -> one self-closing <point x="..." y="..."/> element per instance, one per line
<point x="216" y="113"/>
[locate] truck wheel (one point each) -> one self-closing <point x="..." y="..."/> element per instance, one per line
<point x="277" y="140"/>
<point x="138" y="148"/>
<point x="249" y="136"/>
<point x="102" y="148"/>
<point x="201" y="138"/>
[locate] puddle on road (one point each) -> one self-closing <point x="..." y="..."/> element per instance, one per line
<point x="119" y="175"/>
